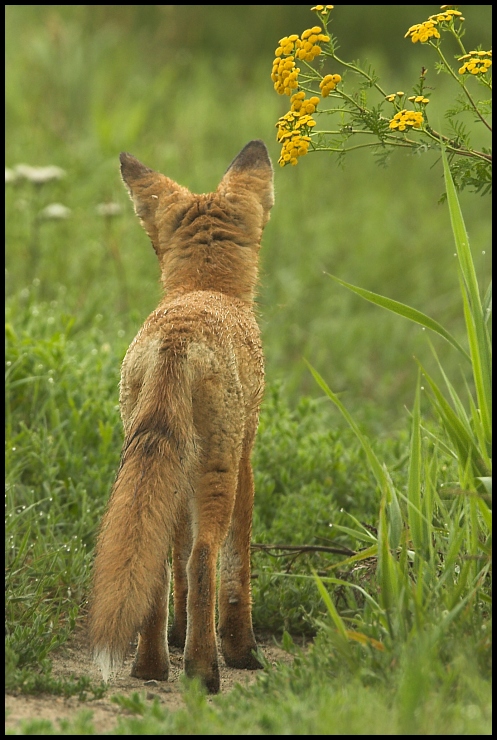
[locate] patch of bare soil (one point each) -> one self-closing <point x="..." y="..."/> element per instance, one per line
<point x="74" y="660"/>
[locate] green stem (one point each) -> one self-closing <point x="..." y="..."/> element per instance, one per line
<point x="399" y="143"/>
<point x="461" y="83"/>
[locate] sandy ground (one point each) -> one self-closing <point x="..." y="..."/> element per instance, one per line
<point x="74" y="660"/>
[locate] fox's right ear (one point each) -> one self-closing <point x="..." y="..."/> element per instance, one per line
<point x="250" y="177"/>
<point x="147" y="190"/>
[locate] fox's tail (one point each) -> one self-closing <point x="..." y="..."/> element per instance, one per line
<point x="150" y="490"/>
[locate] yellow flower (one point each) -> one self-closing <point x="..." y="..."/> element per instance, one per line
<point x="294" y="128"/>
<point x="423" y="32"/>
<point x="476" y="62"/>
<point x="328" y="83"/>
<point x="447" y="16"/>
<point x="418" y="99"/>
<point x="285" y="75"/>
<point x="324" y="10"/>
<point x="307" y="47"/>
<point x="405" y="118"/>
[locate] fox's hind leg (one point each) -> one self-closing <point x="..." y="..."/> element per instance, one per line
<point x="235" y="612"/>
<point x="181" y="553"/>
<point x="152" y="657"/>
<point x="215" y="496"/>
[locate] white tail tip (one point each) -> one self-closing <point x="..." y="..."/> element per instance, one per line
<point x="105" y="663"/>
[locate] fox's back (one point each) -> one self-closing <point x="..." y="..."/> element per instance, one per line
<point x="205" y="336"/>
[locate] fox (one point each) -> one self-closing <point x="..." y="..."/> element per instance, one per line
<point x="190" y="392"/>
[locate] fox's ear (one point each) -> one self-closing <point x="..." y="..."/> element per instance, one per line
<point x="148" y="189"/>
<point x="250" y="174"/>
<point x="146" y="186"/>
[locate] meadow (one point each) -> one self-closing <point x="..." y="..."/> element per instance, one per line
<point x="183" y="88"/>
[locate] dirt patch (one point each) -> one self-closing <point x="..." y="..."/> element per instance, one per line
<point x="74" y="660"/>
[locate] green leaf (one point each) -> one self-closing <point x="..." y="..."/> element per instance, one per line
<point x="406" y="311"/>
<point x="475" y="316"/>
<point x="331" y="607"/>
<point x="416" y="523"/>
<point x="374" y="463"/>
<point x="462" y="439"/>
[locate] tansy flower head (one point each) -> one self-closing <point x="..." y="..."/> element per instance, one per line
<point x="328" y="84"/>
<point x="294" y="128"/>
<point x="419" y="99"/>
<point x="423" y="32"/>
<point x="307" y="47"/>
<point x="476" y="62"/>
<point x="322" y="9"/>
<point x="406" y="118"/>
<point x="285" y="75"/>
<point x="446" y="16"/>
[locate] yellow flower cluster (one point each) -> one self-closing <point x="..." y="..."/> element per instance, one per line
<point x="285" y="73"/>
<point x="328" y="83"/>
<point x="446" y="16"/>
<point x="427" y="30"/>
<point x="422" y="32"/>
<point x="476" y="62"/>
<point x="294" y="128"/>
<point x="322" y="9"/>
<point x="405" y="118"/>
<point x="413" y="99"/>
<point x="307" y="46"/>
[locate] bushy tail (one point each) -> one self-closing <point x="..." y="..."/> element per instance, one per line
<point x="137" y="531"/>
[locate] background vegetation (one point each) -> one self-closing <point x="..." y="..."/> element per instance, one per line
<point x="184" y="88"/>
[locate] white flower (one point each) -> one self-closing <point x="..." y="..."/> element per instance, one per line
<point x="39" y="175"/>
<point x="109" y="209"/>
<point x="10" y="175"/>
<point x="55" y="211"/>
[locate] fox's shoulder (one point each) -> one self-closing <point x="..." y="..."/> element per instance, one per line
<point x="202" y="306"/>
<point x="200" y="315"/>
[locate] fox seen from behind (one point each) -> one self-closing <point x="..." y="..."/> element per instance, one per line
<point x="191" y="386"/>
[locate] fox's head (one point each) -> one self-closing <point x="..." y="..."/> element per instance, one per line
<point x="206" y="242"/>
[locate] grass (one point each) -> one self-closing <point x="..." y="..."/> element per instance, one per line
<point x="302" y="314"/>
<point x="402" y="628"/>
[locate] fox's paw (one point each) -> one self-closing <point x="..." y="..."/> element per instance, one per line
<point x="247" y="661"/>
<point x="239" y="653"/>
<point x="148" y="669"/>
<point x="209" y="677"/>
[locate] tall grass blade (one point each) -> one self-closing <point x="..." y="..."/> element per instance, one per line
<point x="462" y="439"/>
<point x="416" y="524"/>
<point x="479" y="340"/>
<point x="487" y="304"/>
<point x="374" y="463"/>
<point x="387" y="576"/>
<point x="337" y="620"/>
<point x="406" y="311"/>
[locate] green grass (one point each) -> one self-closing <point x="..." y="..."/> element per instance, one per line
<point x="403" y="628"/>
<point x="96" y="87"/>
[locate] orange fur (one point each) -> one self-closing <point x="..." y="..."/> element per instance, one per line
<point x="191" y="386"/>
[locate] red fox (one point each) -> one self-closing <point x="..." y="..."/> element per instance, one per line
<point x="190" y="391"/>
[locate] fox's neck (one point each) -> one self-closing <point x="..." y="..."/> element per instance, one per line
<point x="221" y="267"/>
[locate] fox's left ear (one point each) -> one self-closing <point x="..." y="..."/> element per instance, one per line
<point x="152" y="194"/>
<point x="250" y="174"/>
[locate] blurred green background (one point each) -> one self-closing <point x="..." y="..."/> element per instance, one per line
<point x="184" y="88"/>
